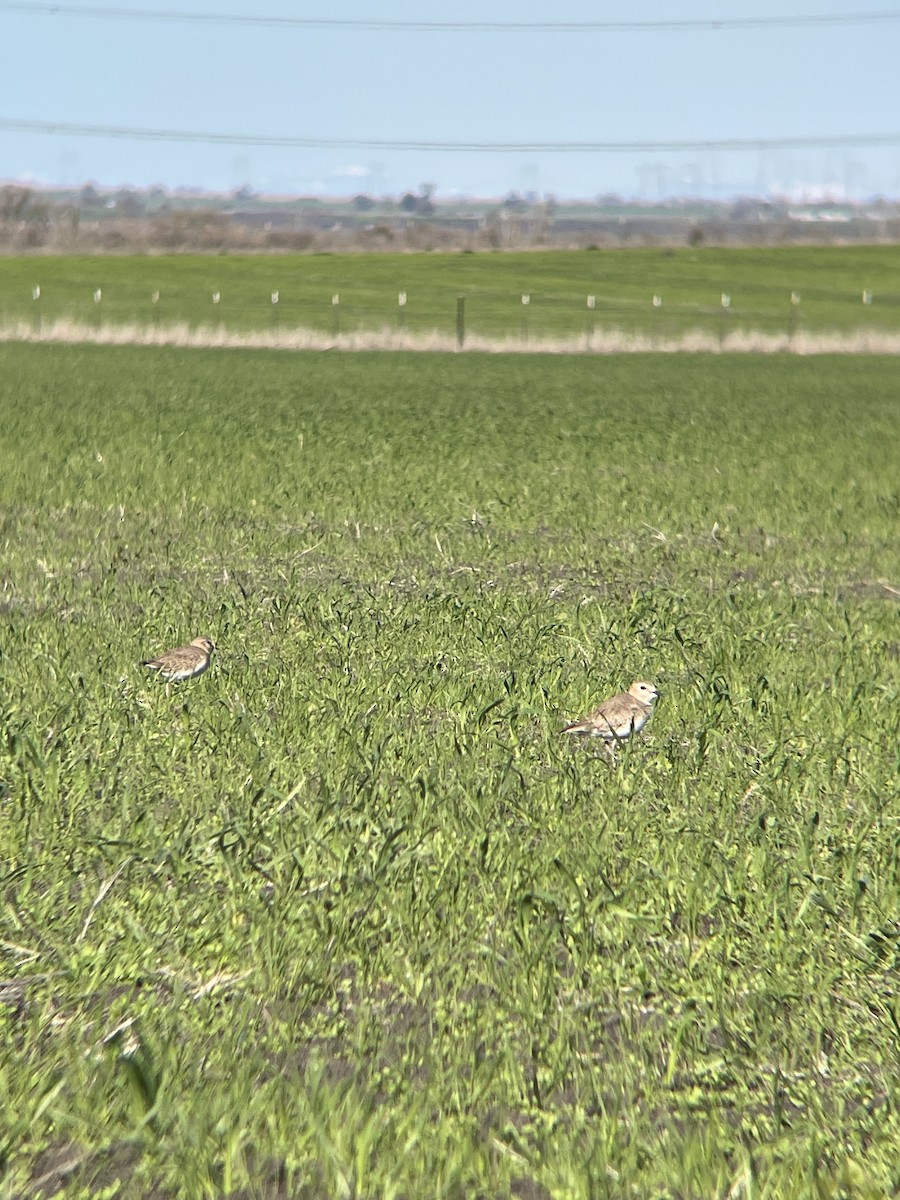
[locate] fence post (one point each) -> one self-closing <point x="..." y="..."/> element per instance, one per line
<point x="725" y="303"/>
<point x="657" y="307"/>
<point x="793" y="317"/>
<point x="460" y="321"/>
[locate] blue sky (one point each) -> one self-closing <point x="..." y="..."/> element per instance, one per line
<point x="462" y="86"/>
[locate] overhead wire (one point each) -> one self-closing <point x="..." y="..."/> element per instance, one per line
<point x="783" y="21"/>
<point x="214" y="137"/>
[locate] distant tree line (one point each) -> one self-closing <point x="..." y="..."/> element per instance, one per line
<point x="90" y="220"/>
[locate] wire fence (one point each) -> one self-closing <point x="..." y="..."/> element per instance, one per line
<point x="523" y="316"/>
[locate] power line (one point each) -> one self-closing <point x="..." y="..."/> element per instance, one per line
<point x="799" y="20"/>
<point x="798" y="142"/>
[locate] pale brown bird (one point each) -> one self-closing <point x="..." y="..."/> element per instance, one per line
<point x="184" y="661"/>
<point x="616" y="719"/>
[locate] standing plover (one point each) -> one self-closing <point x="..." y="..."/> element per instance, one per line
<point x="184" y="661"/>
<point x="616" y="719"/>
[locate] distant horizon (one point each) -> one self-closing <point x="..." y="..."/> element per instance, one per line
<point x="811" y="194"/>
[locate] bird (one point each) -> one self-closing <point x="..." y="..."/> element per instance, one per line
<point x="617" y="718"/>
<point x="183" y="662"/>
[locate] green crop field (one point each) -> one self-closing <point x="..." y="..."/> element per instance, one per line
<point x="347" y="916"/>
<point x="156" y="292"/>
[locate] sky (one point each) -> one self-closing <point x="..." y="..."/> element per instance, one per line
<point x="111" y="64"/>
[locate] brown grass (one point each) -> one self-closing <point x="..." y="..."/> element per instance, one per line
<point x="612" y="342"/>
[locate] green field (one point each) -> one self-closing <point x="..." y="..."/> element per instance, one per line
<point x="690" y="282"/>
<point x="346" y="916"/>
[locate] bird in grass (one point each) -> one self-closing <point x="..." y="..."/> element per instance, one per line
<point x="183" y="662"/>
<point x="616" y="719"/>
